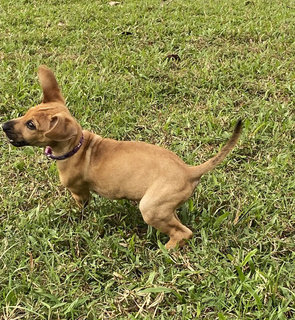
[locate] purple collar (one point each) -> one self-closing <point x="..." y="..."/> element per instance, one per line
<point x="48" y="151"/>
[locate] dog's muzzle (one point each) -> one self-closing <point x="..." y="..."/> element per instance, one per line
<point x="8" y="128"/>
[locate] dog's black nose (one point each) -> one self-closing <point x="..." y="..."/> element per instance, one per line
<point x="6" y="126"/>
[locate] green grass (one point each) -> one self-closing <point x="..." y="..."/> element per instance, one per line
<point x="236" y="61"/>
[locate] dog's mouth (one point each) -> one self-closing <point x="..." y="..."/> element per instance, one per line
<point x="12" y="136"/>
<point x="16" y="143"/>
<point x="21" y="143"/>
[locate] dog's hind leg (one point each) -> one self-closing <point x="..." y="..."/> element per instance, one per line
<point x="163" y="217"/>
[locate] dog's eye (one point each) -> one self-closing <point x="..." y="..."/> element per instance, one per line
<point x="30" y="125"/>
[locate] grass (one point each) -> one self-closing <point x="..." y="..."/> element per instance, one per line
<point x="236" y="61"/>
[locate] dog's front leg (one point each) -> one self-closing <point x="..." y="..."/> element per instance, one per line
<point x="82" y="198"/>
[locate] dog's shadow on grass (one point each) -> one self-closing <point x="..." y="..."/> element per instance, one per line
<point x="111" y="215"/>
<point x="124" y="217"/>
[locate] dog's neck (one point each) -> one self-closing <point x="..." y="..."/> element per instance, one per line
<point x="63" y="147"/>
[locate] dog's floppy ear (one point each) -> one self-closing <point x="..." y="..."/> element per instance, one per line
<point x="62" y="128"/>
<point x="51" y="91"/>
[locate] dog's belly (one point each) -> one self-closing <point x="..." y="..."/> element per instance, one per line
<point x="118" y="180"/>
<point x="116" y="194"/>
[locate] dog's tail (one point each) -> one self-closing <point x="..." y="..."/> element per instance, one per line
<point x="209" y="165"/>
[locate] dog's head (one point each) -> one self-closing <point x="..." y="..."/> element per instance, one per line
<point x="47" y="123"/>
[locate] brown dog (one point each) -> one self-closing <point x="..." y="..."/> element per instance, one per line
<point x="86" y="162"/>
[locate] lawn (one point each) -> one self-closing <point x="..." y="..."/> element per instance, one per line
<point x="174" y="73"/>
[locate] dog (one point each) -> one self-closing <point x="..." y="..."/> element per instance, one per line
<point x="153" y="176"/>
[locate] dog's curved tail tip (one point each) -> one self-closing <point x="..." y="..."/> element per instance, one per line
<point x="239" y="126"/>
<point x="209" y="165"/>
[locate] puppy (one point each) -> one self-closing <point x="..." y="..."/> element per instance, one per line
<point x="155" y="177"/>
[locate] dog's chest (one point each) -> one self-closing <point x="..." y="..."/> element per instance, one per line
<point x="69" y="176"/>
